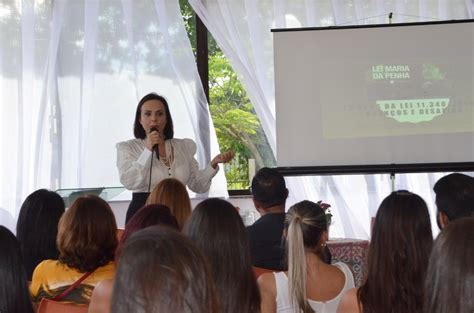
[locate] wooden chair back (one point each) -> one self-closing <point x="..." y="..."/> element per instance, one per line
<point x="50" y="306"/>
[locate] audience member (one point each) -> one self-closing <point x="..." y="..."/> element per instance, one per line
<point x="449" y="284"/>
<point x="398" y="257"/>
<point x="37" y="228"/>
<point x="14" y="295"/>
<point x="310" y="285"/>
<point x="160" y="270"/>
<point x="454" y="197"/>
<point x="269" y="195"/>
<point x="217" y="229"/>
<point x="172" y="193"/>
<point x="150" y="215"/>
<point x="86" y="242"/>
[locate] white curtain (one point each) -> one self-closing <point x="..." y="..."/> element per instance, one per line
<point x="71" y="75"/>
<point x="242" y="30"/>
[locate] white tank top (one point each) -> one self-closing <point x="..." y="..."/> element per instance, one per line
<point x="283" y="295"/>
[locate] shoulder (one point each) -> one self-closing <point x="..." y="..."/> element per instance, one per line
<point x="185" y="144"/>
<point x="48" y="265"/>
<point x="129" y="143"/>
<point x="267" y="283"/>
<point x="106" y="269"/>
<point x="349" y="303"/>
<point x="343" y="267"/>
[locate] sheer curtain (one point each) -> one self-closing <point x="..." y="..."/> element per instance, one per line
<point x="242" y="30"/>
<point x="71" y="74"/>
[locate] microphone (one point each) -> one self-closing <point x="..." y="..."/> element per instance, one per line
<point x="155" y="146"/>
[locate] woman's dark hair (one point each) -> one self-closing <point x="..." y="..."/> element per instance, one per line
<point x="449" y="284"/>
<point x="150" y="215"/>
<point x="398" y="256"/>
<point x="217" y="229"/>
<point x="14" y="293"/>
<point x="138" y="130"/>
<point x="87" y="234"/>
<point x="37" y="228"/>
<point x="305" y="224"/>
<point x="160" y="270"/>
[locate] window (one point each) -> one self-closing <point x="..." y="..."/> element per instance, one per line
<point x="237" y="126"/>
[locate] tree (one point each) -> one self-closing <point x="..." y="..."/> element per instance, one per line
<point x="236" y="124"/>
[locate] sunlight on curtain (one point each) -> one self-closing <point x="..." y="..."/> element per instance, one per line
<point x="71" y="75"/>
<point x="242" y="30"/>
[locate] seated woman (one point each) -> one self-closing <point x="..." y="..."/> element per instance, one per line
<point x="450" y="277"/>
<point x="14" y="294"/>
<point x="398" y="258"/>
<point x="217" y="229"/>
<point x="150" y="215"/>
<point x="310" y="285"/>
<point x="37" y="228"/>
<point x="172" y="193"/>
<point x="160" y="270"/>
<point x="86" y="242"/>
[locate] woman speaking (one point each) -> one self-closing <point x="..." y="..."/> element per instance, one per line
<point x="155" y="155"/>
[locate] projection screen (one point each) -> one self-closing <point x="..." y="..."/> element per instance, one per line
<point x="375" y="95"/>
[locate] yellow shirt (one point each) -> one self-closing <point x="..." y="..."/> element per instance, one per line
<point x="51" y="278"/>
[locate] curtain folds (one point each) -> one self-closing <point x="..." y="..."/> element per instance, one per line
<point x="242" y="30"/>
<point x="71" y="75"/>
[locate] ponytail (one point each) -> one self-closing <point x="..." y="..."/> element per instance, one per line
<point x="305" y="223"/>
<point x="297" y="266"/>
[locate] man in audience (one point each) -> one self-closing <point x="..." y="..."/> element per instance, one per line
<point x="269" y="195"/>
<point x="454" y="198"/>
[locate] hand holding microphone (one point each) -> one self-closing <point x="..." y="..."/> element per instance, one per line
<point x="154" y="139"/>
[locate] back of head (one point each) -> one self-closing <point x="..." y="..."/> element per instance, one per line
<point x="162" y="271"/>
<point x="14" y="294"/>
<point x="172" y="193"/>
<point x="398" y="255"/>
<point x="149" y="215"/>
<point x="305" y="225"/>
<point x="269" y="188"/>
<point x="455" y="195"/>
<point x="450" y="278"/>
<point x="217" y="229"/>
<point x="87" y="235"/>
<point x="37" y="227"/>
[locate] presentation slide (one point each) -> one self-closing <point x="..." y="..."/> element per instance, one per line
<point x="399" y="97"/>
<point x="378" y="94"/>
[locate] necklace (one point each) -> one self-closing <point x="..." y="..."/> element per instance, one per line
<point x="168" y="160"/>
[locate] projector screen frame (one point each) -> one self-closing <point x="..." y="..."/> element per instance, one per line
<point x="375" y="168"/>
<point x="276" y="30"/>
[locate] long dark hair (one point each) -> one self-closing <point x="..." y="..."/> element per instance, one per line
<point x="449" y="283"/>
<point x="305" y="224"/>
<point x="398" y="256"/>
<point x="138" y="130"/>
<point x="218" y="230"/>
<point x="14" y="293"/>
<point x="160" y="270"/>
<point x="87" y="234"/>
<point x="149" y="215"/>
<point x="37" y="228"/>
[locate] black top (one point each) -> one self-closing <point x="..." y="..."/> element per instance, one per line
<point x="265" y="237"/>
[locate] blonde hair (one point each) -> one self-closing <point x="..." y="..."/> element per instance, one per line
<point x="305" y="223"/>
<point x="172" y="193"/>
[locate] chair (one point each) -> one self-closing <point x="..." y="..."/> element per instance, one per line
<point x="50" y="306"/>
<point x="257" y="271"/>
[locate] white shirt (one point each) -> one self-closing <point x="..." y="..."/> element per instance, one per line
<point x="133" y="163"/>
<point x="283" y="296"/>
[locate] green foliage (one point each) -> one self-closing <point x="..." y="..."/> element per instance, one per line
<point x="236" y="124"/>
